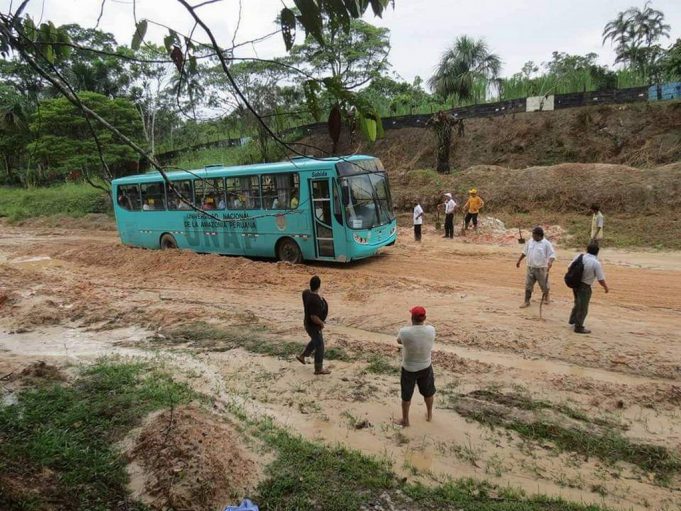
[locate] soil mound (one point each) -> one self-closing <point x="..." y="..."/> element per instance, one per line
<point x="91" y="221"/>
<point x="191" y="461"/>
<point x="565" y="187"/>
<point x="640" y="135"/>
<point x="40" y="370"/>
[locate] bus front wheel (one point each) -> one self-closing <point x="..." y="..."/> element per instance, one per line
<point x="168" y="242"/>
<point x="288" y="251"/>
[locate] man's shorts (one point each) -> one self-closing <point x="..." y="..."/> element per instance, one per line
<point x="425" y="379"/>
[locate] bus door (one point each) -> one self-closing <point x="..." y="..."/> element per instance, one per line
<point x="322" y="218"/>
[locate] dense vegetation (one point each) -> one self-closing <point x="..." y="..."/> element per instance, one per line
<point x="175" y="95"/>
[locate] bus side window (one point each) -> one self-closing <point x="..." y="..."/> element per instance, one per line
<point x="153" y="196"/>
<point x="209" y="193"/>
<point x="234" y="199"/>
<point x="184" y="188"/>
<point x="280" y="191"/>
<point x="129" y="197"/>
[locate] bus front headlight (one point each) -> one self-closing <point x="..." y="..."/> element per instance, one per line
<point x="359" y="239"/>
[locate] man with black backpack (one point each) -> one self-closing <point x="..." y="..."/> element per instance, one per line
<point x="584" y="269"/>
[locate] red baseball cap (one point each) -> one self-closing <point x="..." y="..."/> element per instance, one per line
<point x="418" y="312"/>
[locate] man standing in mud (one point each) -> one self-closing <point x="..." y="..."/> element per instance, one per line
<point x="417" y="343"/>
<point x="316" y="310"/>
<point x="450" y="205"/>
<point x="540" y="256"/>
<point x="592" y="271"/>
<point x="418" y="220"/>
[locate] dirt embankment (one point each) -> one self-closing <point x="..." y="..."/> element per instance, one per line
<point x="638" y="135"/>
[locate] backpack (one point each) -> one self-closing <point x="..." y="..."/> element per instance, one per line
<point x="573" y="276"/>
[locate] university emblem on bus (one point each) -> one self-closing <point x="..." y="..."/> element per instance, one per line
<point x="281" y="221"/>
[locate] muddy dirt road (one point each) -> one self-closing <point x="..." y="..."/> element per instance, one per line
<point x="70" y="295"/>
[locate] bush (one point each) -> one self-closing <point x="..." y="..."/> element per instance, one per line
<point x="74" y="200"/>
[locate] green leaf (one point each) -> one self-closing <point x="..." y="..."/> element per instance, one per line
<point x="311" y="18"/>
<point x="379" y="126"/>
<point x="311" y="89"/>
<point x="353" y="8"/>
<point x="63" y="49"/>
<point x="138" y="37"/>
<point x="193" y="66"/>
<point x="288" y="27"/>
<point x="371" y="129"/>
<point x="29" y="29"/>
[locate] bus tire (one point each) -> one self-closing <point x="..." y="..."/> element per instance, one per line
<point x="289" y="251"/>
<point x="168" y="242"/>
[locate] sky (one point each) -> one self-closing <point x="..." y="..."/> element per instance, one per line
<point x="517" y="30"/>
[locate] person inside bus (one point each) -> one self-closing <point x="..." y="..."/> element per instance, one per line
<point x="124" y="201"/>
<point x="181" y="204"/>
<point x="222" y="204"/>
<point x="237" y="203"/>
<point x="148" y="205"/>
<point x="208" y="203"/>
<point x="294" y="198"/>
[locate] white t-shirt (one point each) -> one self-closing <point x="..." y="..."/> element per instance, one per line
<point x="417" y="345"/>
<point x="597" y="221"/>
<point x="538" y="253"/>
<point x="449" y="206"/>
<point x="418" y="215"/>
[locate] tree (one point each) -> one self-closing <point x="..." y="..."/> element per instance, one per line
<point x="466" y="66"/>
<point x="672" y="61"/>
<point x="635" y="34"/>
<point x="14" y="133"/>
<point x="64" y="144"/>
<point x="443" y="123"/>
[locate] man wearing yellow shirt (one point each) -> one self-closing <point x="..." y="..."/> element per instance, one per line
<point x="472" y="207"/>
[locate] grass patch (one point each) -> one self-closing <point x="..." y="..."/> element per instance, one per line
<point x="58" y="439"/>
<point x="70" y="199"/>
<point x="381" y="365"/>
<point x="527" y="403"/>
<point x="609" y="446"/>
<point x="660" y="231"/>
<point x="211" y="337"/>
<point x="307" y="476"/>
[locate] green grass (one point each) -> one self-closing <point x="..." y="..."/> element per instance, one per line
<point x="68" y="199"/>
<point x="381" y="365"/>
<point x="309" y="476"/>
<point x="622" y="230"/>
<point x="609" y="446"/>
<point x="242" y="155"/>
<point x="63" y="436"/>
<point x="214" y="338"/>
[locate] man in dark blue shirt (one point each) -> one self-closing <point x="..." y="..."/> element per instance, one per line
<point x="316" y="310"/>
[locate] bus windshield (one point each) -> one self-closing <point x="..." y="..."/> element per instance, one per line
<point x="367" y="202"/>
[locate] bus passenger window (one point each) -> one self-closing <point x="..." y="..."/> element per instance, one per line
<point x="153" y="196"/>
<point x="129" y="197"/>
<point x="184" y="188"/>
<point x="280" y="191"/>
<point x="209" y="193"/>
<point x="243" y="192"/>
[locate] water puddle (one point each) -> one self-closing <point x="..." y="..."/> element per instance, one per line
<point x="35" y="262"/>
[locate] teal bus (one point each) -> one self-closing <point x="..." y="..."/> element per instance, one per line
<point x="330" y="209"/>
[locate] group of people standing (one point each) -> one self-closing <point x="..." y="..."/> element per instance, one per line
<point x="472" y="207"/>
<point x="417" y="340"/>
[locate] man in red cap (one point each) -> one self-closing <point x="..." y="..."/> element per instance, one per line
<point x="417" y="343"/>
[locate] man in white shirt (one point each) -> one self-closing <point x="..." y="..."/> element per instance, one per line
<point x="540" y="257"/>
<point x="417" y="343"/>
<point x="450" y="205"/>
<point x="592" y="271"/>
<point x="597" y="221"/>
<point x="418" y="220"/>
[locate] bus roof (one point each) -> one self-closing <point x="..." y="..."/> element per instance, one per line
<point x="297" y="163"/>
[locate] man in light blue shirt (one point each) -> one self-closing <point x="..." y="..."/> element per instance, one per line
<point x="592" y="271"/>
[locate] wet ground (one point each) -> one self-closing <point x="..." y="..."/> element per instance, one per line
<point x="70" y="295"/>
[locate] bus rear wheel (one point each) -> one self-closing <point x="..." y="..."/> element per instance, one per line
<point x="168" y="242"/>
<point x="288" y="251"/>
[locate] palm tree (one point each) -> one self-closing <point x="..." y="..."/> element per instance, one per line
<point x="463" y="66"/>
<point x="635" y="33"/>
